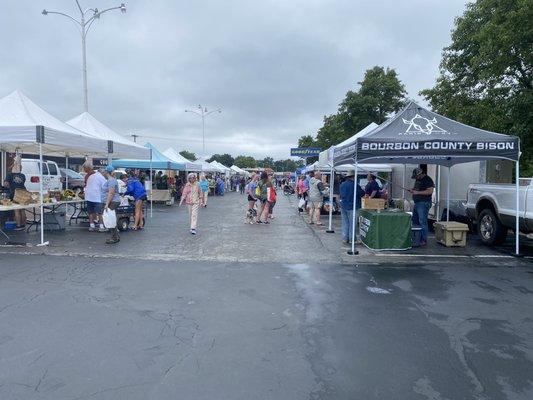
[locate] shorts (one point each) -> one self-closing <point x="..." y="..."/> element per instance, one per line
<point x="250" y="198"/>
<point x="314" y="205"/>
<point x="263" y="201"/>
<point x="142" y="198"/>
<point x="94" y="208"/>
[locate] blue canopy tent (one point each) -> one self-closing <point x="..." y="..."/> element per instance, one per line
<point x="157" y="160"/>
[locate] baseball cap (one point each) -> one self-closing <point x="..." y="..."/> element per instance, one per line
<point x="109" y="168"/>
<point x="416" y="172"/>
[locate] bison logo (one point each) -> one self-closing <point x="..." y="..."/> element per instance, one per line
<point x="419" y="125"/>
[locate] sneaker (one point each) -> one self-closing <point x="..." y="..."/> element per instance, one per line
<point x="112" y="241"/>
<point x="102" y="229"/>
<point x="92" y="229"/>
<point x="193" y="231"/>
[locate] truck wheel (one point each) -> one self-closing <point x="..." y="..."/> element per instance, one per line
<point x="490" y="229"/>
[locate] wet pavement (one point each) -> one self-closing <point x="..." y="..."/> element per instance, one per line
<point x="257" y="312"/>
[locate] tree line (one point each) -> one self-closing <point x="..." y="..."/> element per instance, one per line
<point x="244" y="161"/>
<point x="485" y="80"/>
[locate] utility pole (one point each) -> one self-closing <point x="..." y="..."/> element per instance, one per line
<point x="84" y="24"/>
<point x="203" y="113"/>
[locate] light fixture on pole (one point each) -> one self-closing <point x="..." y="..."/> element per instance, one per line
<point x="203" y="113"/>
<point x="84" y="23"/>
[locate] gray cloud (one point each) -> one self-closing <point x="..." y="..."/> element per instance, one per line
<point x="275" y="67"/>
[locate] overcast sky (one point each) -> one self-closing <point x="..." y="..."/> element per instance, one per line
<point x="275" y="67"/>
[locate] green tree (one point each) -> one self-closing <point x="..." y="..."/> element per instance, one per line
<point x="188" y="155"/>
<point x="225" y="159"/>
<point x="486" y="74"/>
<point x="380" y="93"/>
<point x="245" y="162"/>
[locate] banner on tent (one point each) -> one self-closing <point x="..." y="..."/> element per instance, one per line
<point x="427" y="149"/>
<point x="305" y="152"/>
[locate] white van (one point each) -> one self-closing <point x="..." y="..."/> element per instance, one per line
<point x="51" y="175"/>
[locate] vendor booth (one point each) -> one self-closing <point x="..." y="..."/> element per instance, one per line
<point x="28" y="129"/>
<point x="416" y="135"/>
<point x="157" y="161"/>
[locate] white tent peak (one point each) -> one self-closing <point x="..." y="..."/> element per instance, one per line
<point x="17" y="109"/>
<point x="87" y="123"/>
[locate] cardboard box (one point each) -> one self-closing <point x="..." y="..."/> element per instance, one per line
<point x="451" y="234"/>
<point x="373" y="204"/>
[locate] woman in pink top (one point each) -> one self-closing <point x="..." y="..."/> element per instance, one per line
<point x="193" y="197"/>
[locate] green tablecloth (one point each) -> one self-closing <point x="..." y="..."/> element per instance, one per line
<point x="385" y="230"/>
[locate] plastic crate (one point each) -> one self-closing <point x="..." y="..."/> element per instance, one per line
<point x="451" y="234"/>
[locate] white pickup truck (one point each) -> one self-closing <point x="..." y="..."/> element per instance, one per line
<point x="492" y="207"/>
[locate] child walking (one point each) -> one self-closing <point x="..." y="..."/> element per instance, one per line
<point x="193" y="197"/>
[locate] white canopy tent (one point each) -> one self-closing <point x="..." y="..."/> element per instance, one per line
<point x="206" y="166"/>
<point x="27" y="128"/>
<point x="19" y="119"/>
<point x="121" y="147"/>
<point x="222" y="167"/>
<point x="177" y="157"/>
<point x="239" y="171"/>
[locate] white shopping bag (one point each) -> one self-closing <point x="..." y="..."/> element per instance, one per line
<point x="301" y="203"/>
<point x="110" y="218"/>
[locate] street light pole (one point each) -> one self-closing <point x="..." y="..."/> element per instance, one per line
<point x="84" y="25"/>
<point x="203" y="113"/>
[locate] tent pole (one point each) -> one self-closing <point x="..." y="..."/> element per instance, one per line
<point x="354" y="252"/>
<point x="41" y="188"/>
<point x="437" y="193"/>
<point x="403" y="180"/>
<point x="517" y="215"/>
<point x="448" y="194"/>
<point x="330" y="230"/>
<point x="151" y="188"/>
<point x="66" y="172"/>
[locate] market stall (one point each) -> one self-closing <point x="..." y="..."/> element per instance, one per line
<point x="26" y="128"/>
<point x="157" y="161"/>
<point x="416" y="135"/>
<point x="177" y="157"/>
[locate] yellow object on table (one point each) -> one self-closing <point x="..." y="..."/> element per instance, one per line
<point x="368" y="203"/>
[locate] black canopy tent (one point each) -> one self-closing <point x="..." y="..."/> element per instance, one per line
<point x="416" y="135"/>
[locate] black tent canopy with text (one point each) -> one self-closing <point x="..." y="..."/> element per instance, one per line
<point x="416" y="135"/>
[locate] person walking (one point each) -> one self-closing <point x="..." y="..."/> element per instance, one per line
<point x="301" y="190"/>
<point x="242" y="184"/>
<point x="316" y="196"/>
<point x="262" y="192"/>
<point x="111" y="200"/>
<point x="94" y="181"/>
<point x="422" y="192"/>
<point x="346" y="195"/>
<point x="136" y="189"/>
<point x="251" y="188"/>
<point x="204" y="185"/>
<point x="193" y="197"/>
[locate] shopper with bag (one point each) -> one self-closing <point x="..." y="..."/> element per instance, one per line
<point x="194" y="198"/>
<point x="111" y="200"/>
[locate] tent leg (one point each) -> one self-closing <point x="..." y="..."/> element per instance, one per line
<point x="403" y="180"/>
<point x="448" y="194"/>
<point x="66" y="174"/>
<point x="517" y="215"/>
<point x="354" y="252"/>
<point x="330" y="230"/>
<point x="41" y="195"/>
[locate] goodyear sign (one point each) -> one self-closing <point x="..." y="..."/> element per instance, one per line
<point x="305" y="152"/>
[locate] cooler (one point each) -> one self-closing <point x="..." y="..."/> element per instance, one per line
<point x="451" y="234"/>
<point x="385" y="230"/>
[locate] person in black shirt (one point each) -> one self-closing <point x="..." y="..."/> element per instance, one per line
<point x="16" y="180"/>
<point x="372" y="188"/>
<point x="422" y="191"/>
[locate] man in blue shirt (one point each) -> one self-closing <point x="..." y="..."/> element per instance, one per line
<point x="346" y="192"/>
